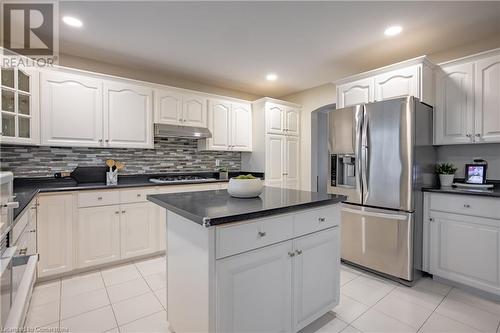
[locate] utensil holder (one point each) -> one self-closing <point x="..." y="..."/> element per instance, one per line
<point x="112" y="178"/>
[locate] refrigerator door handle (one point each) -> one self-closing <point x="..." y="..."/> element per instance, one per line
<point x="374" y="214"/>
<point x="364" y="156"/>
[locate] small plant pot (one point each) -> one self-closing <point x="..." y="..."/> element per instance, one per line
<point x="446" y="180"/>
<point x="245" y="188"/>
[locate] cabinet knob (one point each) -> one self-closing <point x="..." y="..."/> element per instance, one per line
<point x="107" y="140"/>
<point x="321" y="219"/>
<point x="123" y="211"/>
<point x="431" y="219"/>
<point x="468" y="135"/>
<point x="138" y="195"/>
<point x="100" y="140"/>
<point x="262" y="233"/>
<point x="298" y="252"/>
<point x="34" y="230"/>
<point x="117" y="212"/>
<point x="466" y="205"/>
<point x="291" y="254"/>
<point x="99" y="198"/>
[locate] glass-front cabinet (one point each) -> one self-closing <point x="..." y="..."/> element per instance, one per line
<point x="19" y="119"/>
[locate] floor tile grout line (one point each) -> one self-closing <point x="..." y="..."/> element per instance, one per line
<point x="435" y="308"/>
<point x="133" y="321"/>
<point x="109" y="299"/>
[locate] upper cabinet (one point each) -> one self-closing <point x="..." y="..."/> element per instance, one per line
<point x="19" y="121"/>
<point x="71" y="108"/>
<point x="175" y="108"/>
<point x="468" y="100"/>
<point x="128" y="114"/>
<point x="231" y="126"/>
<point x="409" y="78"/>
<point x="282" y="119"/>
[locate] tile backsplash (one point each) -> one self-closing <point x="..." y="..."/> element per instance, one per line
<point x="168" y="155"/>
<point x="460" y="155"/>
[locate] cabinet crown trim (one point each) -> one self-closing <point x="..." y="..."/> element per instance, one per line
<point x="472" y="57"/>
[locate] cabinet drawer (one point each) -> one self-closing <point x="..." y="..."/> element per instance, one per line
<point x="313" y="220"/>
<point x="98" y="198"/>
<point x="136" y="195"/>
<point x="253" y="234"/>
<point x="466" y="204"/>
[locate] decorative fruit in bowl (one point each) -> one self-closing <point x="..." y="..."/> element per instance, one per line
<point x="245" y="186"/>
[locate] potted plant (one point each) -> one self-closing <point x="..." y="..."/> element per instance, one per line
<point x="446" y="172"/>
<point x="245" y="186"/>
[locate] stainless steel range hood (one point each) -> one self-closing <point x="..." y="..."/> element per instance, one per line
<point x="175" y="131"/>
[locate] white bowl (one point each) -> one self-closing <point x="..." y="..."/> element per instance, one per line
<point x="245" y="188"/>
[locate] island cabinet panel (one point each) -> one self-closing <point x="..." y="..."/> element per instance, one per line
<point x="315" y="276"/>
<point x="253" y="290"/>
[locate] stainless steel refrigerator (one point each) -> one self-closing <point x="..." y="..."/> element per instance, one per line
<point x="383" y="151"/>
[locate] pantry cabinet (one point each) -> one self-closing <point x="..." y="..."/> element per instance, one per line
<point x="231" y="126"/>
<point x="282" y="159"/>
<point x="175" y="108"/>
<point x="19" y="100"/>
<point x="281" y="119"/>
<point x="413" y="77"/>
<point x="55" y="234"/>
<point x="450" y="221"/>
<point x="468" y="104"/>
<point x="128" y="115"/>
<point x="98" y="235"/>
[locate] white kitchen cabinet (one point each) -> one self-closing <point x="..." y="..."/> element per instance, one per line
<point x="281" y="119"/>
<point x="357" y="92"/>
<point x="413" y="77"/>
<point x="398" y="83"/>
<point x="98" y="235"/>
<point x="454" y="220"/>
<point x="254" y="290"/>
<point x="128" y="115"/>
<point x="454" y="116"/>
<point x="316" y="276"/>
<point x="487" y="107"/>
<point x="71" y="110"/>
<point x="138" y="228"/>
<point x="19" y="100"/>
<point x="175" y="108"/>
<point x="55" y="234"/>
<point x="292" y="122"/>
<point x="231" y="126"/>
<point x="282" y="159"/>
<point x="291" y="161"/>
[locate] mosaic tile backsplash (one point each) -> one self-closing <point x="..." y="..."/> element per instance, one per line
<point x="169" y="155"/>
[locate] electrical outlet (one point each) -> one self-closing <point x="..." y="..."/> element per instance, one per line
<point x="217" y="162"/>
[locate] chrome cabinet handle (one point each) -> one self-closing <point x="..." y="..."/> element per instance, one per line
<point x="466" y="205"/>
<point x="107" y="140"/>
<point x="123" y="212"/>
<point x="117" y="212"/>
<point x="298" y="252"/>
<point x="23" y="251"/>
<point x="99" y="198"/>
<point x="34" y="230"/>
<point x="291" y="254"/>
<point x="100" y="140"/>
<point x="138" y="195"/>
<point x="261" y="233"/>
<point x="321" y="219"/>
<point x="431" y="219"/>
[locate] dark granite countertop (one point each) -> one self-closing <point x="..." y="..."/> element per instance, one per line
<point x="211" y="208"/>
<point x="25" y="189"/>
<point x="494" y="192"/>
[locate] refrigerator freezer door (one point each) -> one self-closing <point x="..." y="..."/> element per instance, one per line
<point x="387" y="154"/>
<point x="381" y="240"/>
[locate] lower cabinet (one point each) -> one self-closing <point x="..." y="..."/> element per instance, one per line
<point x="261" y="290"/>
<point x="138" y="229"/>
<point x="98" y="235"/>
<point x="55" y="234"/>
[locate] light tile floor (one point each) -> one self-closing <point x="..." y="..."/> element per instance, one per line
<point x="132" y="298"/>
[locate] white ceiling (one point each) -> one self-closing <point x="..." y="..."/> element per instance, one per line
<point x="235" y="44"/>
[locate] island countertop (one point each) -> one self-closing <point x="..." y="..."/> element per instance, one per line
<point x="210" y="208"/>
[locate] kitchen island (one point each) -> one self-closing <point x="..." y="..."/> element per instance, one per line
<point x="266" y="264"/>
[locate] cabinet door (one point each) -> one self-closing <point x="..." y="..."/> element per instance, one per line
<point x="194" y="111"/>
<point x="254" y="291"/>
<point x="488" y="100"/>
<point x="32" y="230"/>
<point x="292" y="117"/>
<point x="98" y="235"/>
<point x="275" y="155"/>
<point x="316" y="276"/>
<point x="292" y="161"/>
<point x="241" y="127"/>
<point x="275" y="118"/>
<point x="138" y="227"/>
<point x="128" y="115"/>
<point x="478" y="263"/>
<point x="168" y="107"/>
<point x="398" y="83"/>
<point x="218" y="122"/>
<point x="55" y="234"/>
<point x="357" y="92"/>
<point x="71" y="110"/>
<point x="454" y="112"/>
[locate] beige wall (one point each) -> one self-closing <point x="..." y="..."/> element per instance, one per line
<point x="314" y="98"/>
<point x="149" y="76"/>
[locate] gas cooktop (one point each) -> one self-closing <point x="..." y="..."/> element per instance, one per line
<point x="181" y="179"/>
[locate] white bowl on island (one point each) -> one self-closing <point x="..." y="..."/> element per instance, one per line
<point x="245" y="188"/>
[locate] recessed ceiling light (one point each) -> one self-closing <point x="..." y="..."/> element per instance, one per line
<point x="72" y="21"/>
<point x="393" y="30"/>
<point x="271" y="77"/>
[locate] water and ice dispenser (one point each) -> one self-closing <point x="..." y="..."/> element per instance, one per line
<point x="343" y="170"/>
